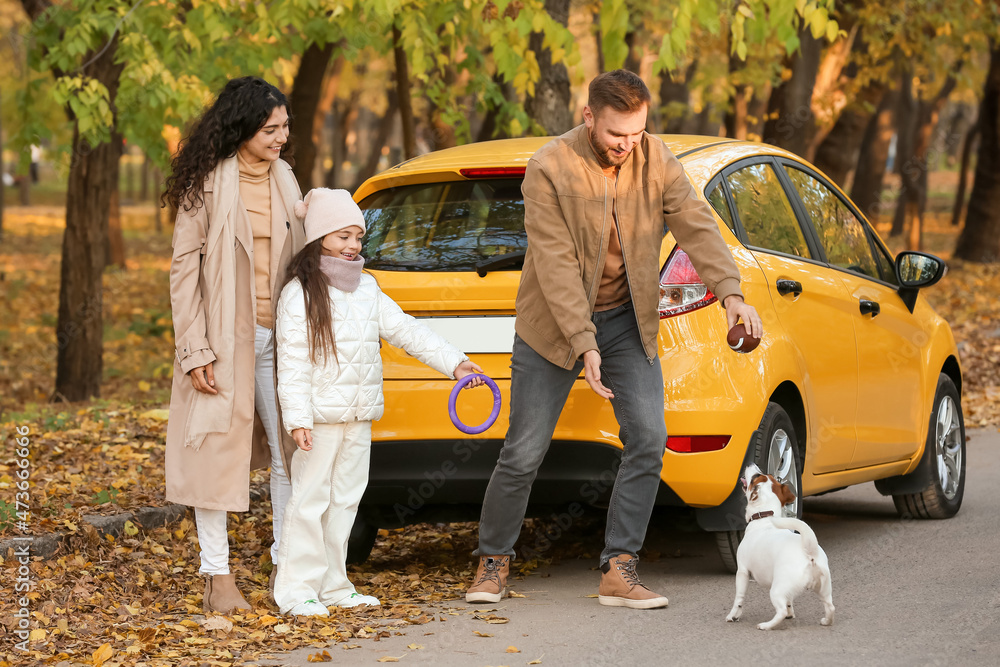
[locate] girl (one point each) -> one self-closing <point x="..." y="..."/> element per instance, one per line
<point x="330" y="319"/>
<point x="234" y="235"/>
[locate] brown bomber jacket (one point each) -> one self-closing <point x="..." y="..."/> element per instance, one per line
<point x="567" y="210"/>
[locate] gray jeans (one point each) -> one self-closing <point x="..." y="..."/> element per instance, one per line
<point x="538" y="392"/>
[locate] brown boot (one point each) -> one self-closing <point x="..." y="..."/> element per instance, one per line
<point x="222" y="596"/>
<point x="491" y="579"/>
<point x="620" y="586"/>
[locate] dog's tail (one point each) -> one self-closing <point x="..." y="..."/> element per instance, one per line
<point x="809" y="542"/>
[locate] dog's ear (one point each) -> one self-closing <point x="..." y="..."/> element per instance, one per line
<point x="785" y="494"/>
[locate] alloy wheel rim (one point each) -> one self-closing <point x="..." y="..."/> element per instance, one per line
<point x="781" y="464"/>
<point x="948" y="439"/>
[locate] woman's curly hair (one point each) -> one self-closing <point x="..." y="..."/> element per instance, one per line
<point x="238" y="113"/>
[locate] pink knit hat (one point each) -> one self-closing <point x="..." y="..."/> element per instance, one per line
<point x="325" y="210"/>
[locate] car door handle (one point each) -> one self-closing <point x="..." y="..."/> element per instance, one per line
<point x="869" y="307"/>
<point x="785" y="287"/>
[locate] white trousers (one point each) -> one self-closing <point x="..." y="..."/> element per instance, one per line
<point x="327" y="486"/>
<point x="211" y="524"/>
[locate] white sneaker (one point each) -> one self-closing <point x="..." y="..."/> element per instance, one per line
<point x="309" y="608"/>
<point x="357" y="600"/>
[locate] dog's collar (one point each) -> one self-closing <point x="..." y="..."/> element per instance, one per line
<point x="761" y="515"/>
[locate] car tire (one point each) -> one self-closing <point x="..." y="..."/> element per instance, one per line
<point x="776" y="452"/>
<point x="943" y="461"/>
<point x="361" y="541"/>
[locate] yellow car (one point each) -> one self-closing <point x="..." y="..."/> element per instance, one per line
<point x="856" y="379"/>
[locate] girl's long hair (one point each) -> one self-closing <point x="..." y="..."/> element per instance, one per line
<point x="319" y="315"/>
<point x="237" y="114"/>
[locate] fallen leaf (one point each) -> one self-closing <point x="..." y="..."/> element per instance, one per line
<point x="36" y="635"/>
<point x="414" y="647"/>
<point x="218" y="623"/>
<point x="536" y="661"/>
<point x="130" y="529"/>
<point x="516" y="595"/>
<point x="592" y="595"/>
<point x="283" y="628"/>
<point x="101" y="655"/>
<point x="513" y="649"/>
<point x="160" y="415"/>
<point x="350" y="646"/>
<point x="481" y="634"/>
<point x="320" y="657"/>
<point x="389" y="658"/>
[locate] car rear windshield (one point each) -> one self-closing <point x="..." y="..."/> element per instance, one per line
<point x="452" y="226"/>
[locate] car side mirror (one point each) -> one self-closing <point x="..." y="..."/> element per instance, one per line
<point x="915" y="270"/>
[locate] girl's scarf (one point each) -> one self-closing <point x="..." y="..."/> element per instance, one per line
<point x="343" y="274"/>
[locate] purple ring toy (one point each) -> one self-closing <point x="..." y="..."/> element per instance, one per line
<point x="473" y="430"/>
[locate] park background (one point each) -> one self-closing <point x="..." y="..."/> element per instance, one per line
<point x="897" y="101"/>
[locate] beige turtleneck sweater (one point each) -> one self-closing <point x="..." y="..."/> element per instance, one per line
<point x="255" y="191"/>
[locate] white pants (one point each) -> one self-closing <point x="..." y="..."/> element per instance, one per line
<point x="211" y="524"/>
<point x="328" y="483"/>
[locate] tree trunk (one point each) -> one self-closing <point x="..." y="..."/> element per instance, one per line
<point x="24" y="190"/>
<point x="837" y="154"/>
<point x="3" y="188"/>
<point x="790" y="123"/>
<point x="384" y="129"/>
<point x="674" y="92"/>
<point x="963" y="173"/>
<point x="144" y="179"/>
<point x="338" y="150"/>
<point x="913" y="171"/>
<point x="906" y="130"/>
<point x="304" y="102"/>
<point x="93" y="180"/>
<point x="115" y="247"/>
<point x="736" y="115"/>
<point x="980" y="238"/>
<point x="599" y="38"/>
<point x="549" y="107"/>
<point x="632" y="61"/>
<point x="489" y="129"/>
<point x="403" y="92"/>
<point x="870" y="172"/>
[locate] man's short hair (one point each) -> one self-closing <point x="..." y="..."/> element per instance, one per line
<point x="620" y="89"/>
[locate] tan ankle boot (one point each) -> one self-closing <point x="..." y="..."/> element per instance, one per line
<point x="222" y="596"/>
<point x="620" y="586"/>
<point x="491" y="579"/>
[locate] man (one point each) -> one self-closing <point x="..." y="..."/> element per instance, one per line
<point x="597" y="203"/>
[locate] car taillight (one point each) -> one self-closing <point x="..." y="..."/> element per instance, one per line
<point x="493" y="172"/>
<point x="687" y="444"/>
<point x="681" y="290"/>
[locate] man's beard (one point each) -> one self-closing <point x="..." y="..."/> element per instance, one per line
<point x="603" y="152"/>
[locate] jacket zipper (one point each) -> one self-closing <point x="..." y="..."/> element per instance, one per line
<point x="621" y="243"/>
<point x="604" y="219"/>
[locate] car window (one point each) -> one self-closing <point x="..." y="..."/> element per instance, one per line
<point x="841" y="234"/>
<point x="765" y="212"/>
<point x="717" y="199"/>
<point x="886" y="264"/>
<point x="443" y="226"/>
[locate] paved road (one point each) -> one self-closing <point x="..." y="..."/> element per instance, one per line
<point x="906" y="592"/>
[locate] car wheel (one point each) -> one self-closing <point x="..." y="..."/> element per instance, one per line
<point x="776" y="452"/>
<point x="361" y="541"/>
<point x="943" y="460"/>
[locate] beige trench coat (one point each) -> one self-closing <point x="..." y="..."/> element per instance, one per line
<point x="213" y="441"/>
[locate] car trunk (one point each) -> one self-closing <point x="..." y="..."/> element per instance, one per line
<point x="476" y="314"/>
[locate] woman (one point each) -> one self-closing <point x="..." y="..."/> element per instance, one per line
<point x="234" y="235"/>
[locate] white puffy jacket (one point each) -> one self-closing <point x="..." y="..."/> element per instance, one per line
<point x="349" y="389"/>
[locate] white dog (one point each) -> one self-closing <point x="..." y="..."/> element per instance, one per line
<point x="787" y="562"/>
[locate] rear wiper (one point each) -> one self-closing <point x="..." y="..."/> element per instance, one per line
<point x="498" y="261"/>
